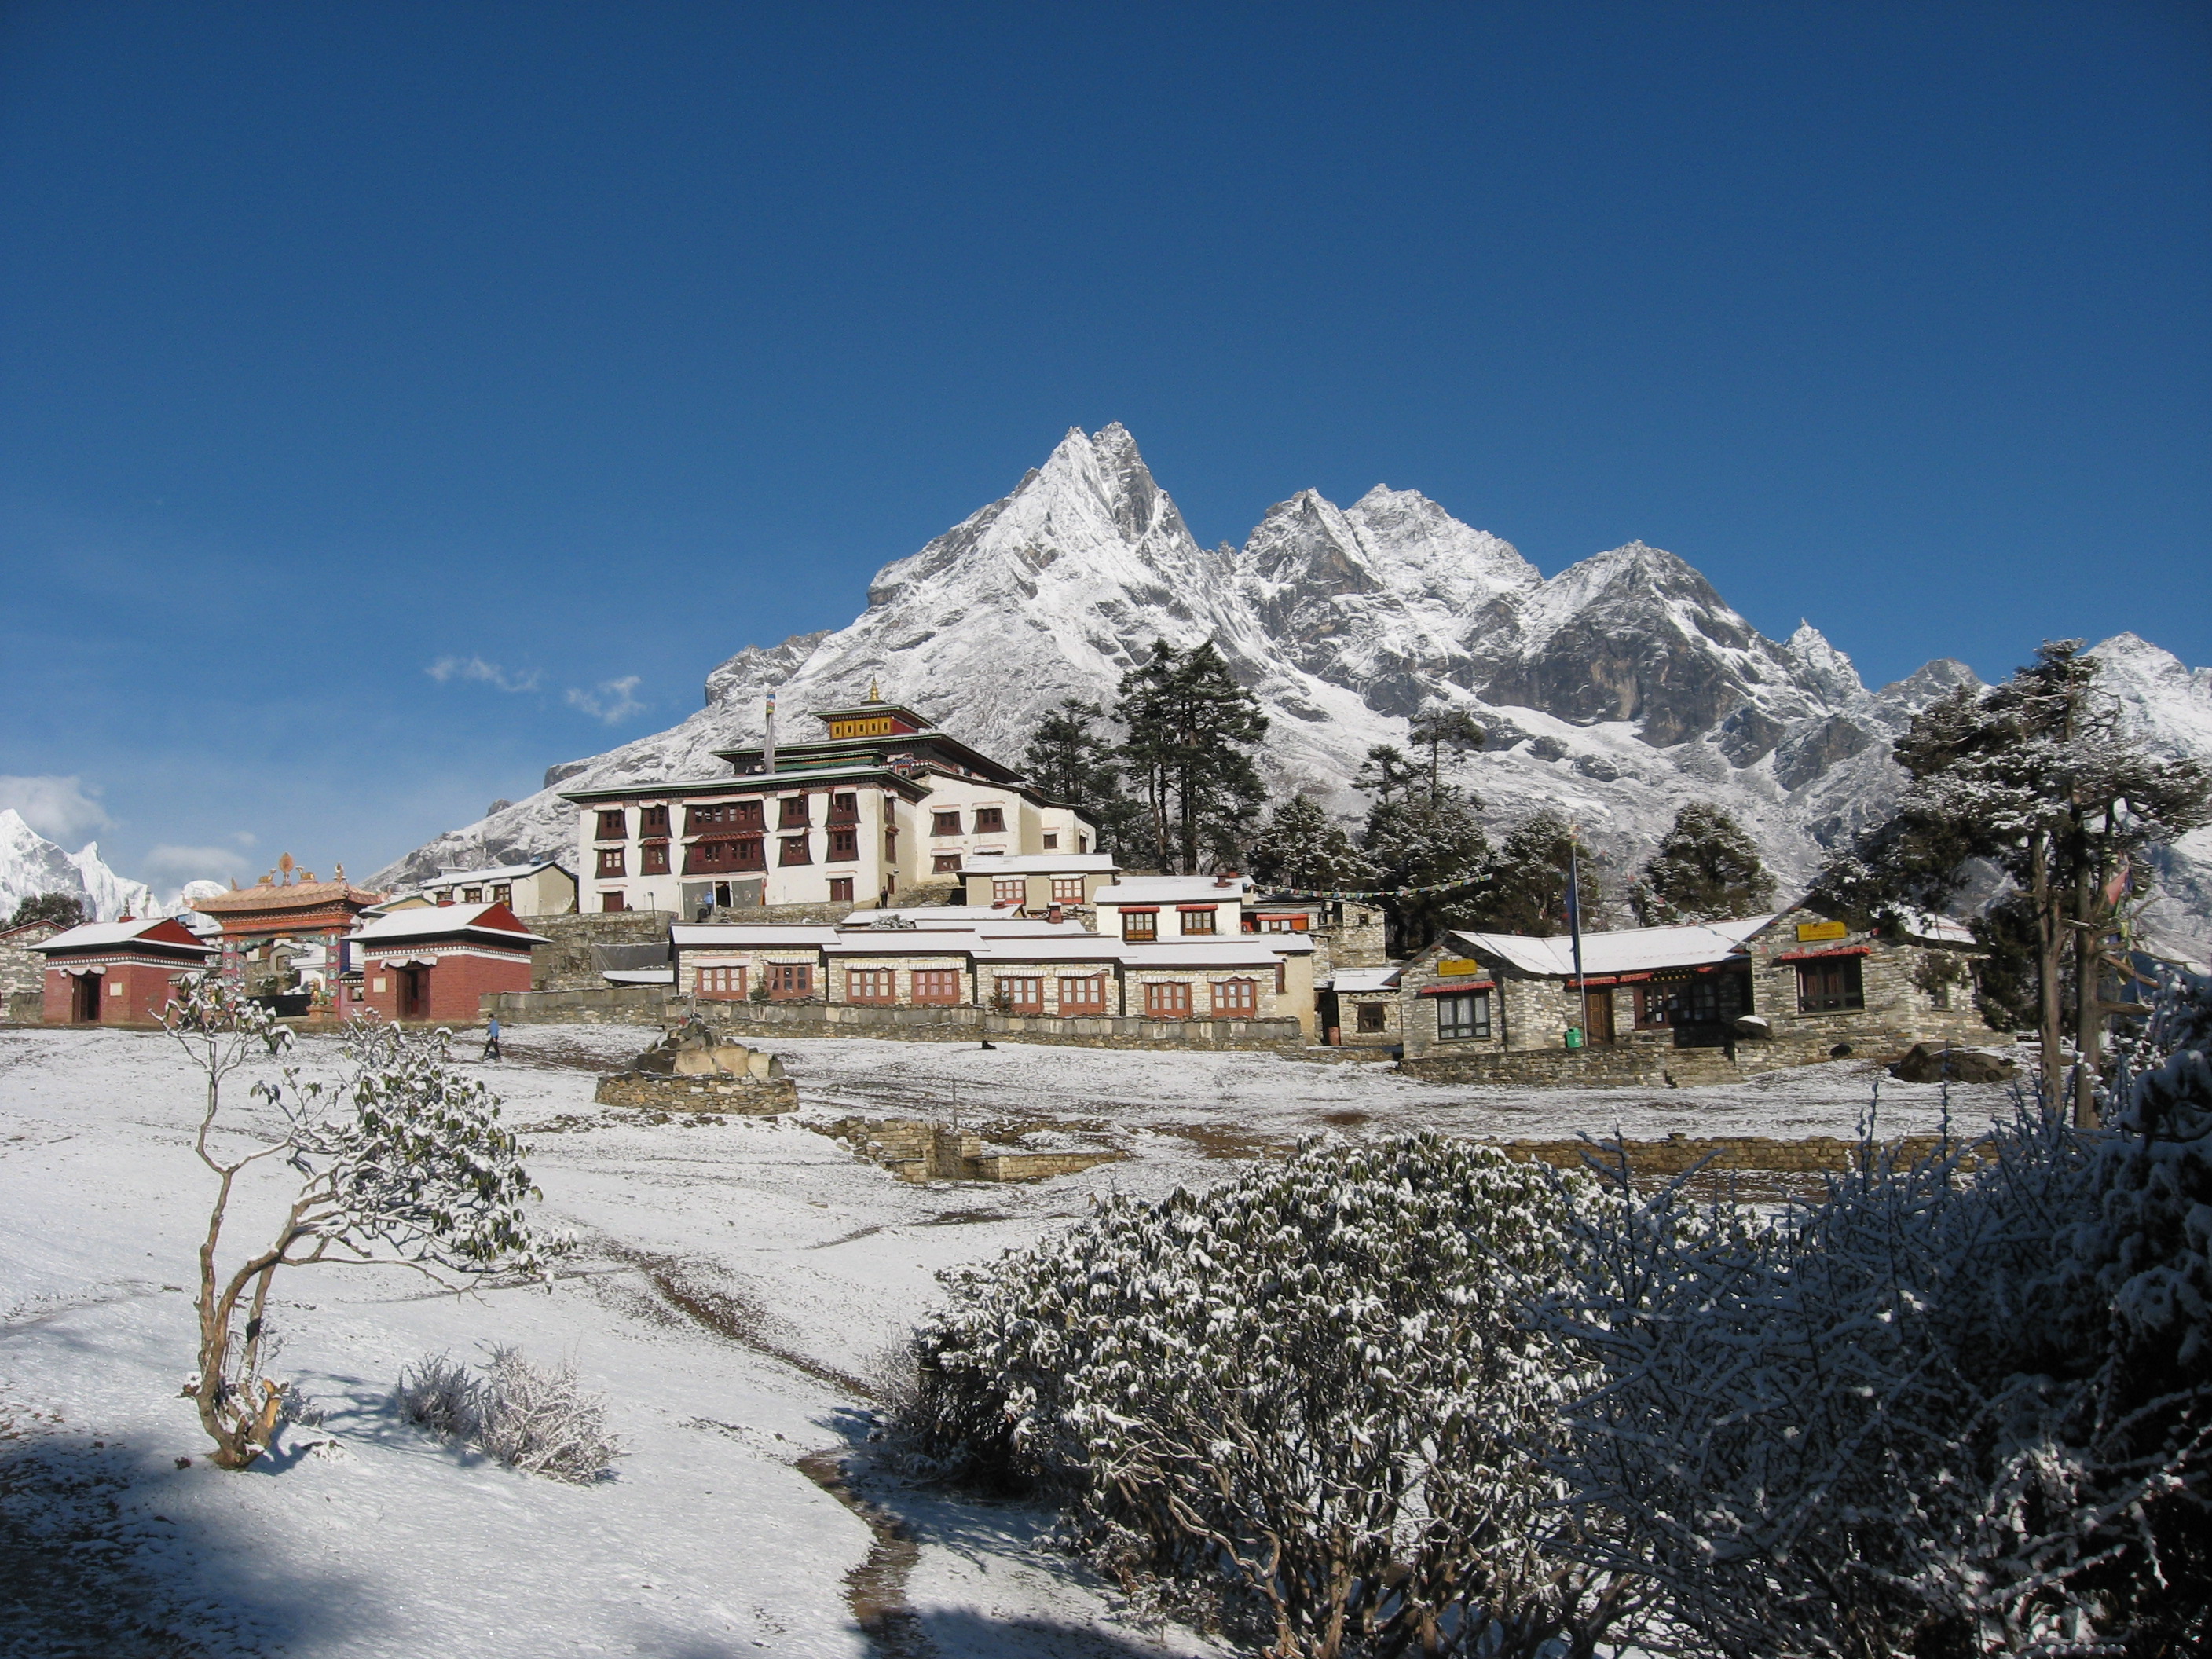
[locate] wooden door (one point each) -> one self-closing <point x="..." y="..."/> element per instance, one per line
<point x="1597" y="1018"/>
<point x="84" y="998"/>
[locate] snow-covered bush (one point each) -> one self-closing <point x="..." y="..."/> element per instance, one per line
<point x="1956" y="1408"/>
<point x="402" y="1160"/>
<point x="1309" y="1387"/>
<point x="540" y="1421"/>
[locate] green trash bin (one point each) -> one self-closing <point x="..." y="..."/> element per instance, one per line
<point x="1574" y="1037"/>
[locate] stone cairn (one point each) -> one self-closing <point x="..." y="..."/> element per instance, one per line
<point x="693" y="1069"/>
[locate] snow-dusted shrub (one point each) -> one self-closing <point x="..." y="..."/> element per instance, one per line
<point x="1954" y="1409"/>
<point x="1309" y="1387"/>
<point x="402" y="1160"/>
<point x="540" y="1421"/>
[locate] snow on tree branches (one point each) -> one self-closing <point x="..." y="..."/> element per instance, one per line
<point x="1308" y="1389"/>
<point x="402" y="1161"/>
<point x="1707" y="868"/>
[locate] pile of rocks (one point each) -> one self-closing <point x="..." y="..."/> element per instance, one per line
<point x="693" y="1069"/>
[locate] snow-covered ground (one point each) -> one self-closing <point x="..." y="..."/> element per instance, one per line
<point x="734" y="1285"/>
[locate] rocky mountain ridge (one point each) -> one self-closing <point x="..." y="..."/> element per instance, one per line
<point x="1616" y="690"/>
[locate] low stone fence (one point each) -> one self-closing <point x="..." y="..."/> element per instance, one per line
<point x="1721" y="1155"/>
<point x="653" y="1005"/>
<point x="916" y="1150"/>
<point x="26" y="1008"/>
<point x="739" y="1096"/>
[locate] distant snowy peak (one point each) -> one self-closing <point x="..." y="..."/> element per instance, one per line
<point x="31" y="865"/>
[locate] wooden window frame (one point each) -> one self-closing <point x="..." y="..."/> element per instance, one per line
<point x="613" y="862"/>
<point x="1849" y="996"/>
<point x="472" y="896"/>
<point x="1167" y="998"/>
<point x="1067" y="889"/>
<point x="503" y="893"/>
<point x="1476" y="1026"/>
<point x="794" y="812"/>
<point x="1370" y="1016"/>
<point x="720" y="981"/>
<point x="841" y="890"/>
<point x="612" y="903"/>
<point x="929" y="984"/>
<point x="877" y="987"/>
<point x="787" y="981"/>
<point x="845" y="809"/>
<point x="1024" y="993"/>
<point x="990" y="820"/>
<point x="794" y="849"/>
<point x="1139" y="927"/>
<point x="614" y="823"/>
<point x="1049" y="841"/>
<point x="652" y="859"/>
<point x="1019" y="894"/>
<point x="1195" y="920"/>
<point x="944" y="864"/>
<point x="844" y="846"/>
<point x="1086" y="1002"/>
<point x="944" y="823"/>
<point x="1235" y="999"/>
<point x="653" y="820"/>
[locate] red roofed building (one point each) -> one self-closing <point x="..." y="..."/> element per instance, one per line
<point x="304" y="911"/>
<point x="119" y="972"/>
<point x="433" y="963"/>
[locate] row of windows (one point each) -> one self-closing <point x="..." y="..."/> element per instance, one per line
<point x="498" y="893"/>
<point x="1230" y="998"/>
<point x="1142" y="926"/>
<point x="793" y="812"/>
<point x="1833" y="986"/>
<point x="734" y="852"/>
<point x="841" y="892"/>
<point x="1066" y="889"/>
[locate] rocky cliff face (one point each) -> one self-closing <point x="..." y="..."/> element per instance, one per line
<point x="1616" y="690"/>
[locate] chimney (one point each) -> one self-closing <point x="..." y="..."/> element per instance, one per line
<point x="126" y="916"/>
<point x="1053" y="914"/>
<point x="767" y="745"/>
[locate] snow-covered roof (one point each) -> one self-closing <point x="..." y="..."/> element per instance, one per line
<point x="1231" y="951"/>
<point x="988" y="918"/>
<point x="761" y="935"/>
<point x="109" y="935"/>
<point x="639" y="975"/>
<point x="1631" y="949"/>
<point x="1174" y="890"/>
<point x="1365" y="979"/>
<point x="495" y="873"/>
<point x="437" y="920"/>
<point x="1936" y="930"/>
<point x="1038" y="864"/>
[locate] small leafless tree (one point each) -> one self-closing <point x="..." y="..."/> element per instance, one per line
<point x="402" y="1161"/>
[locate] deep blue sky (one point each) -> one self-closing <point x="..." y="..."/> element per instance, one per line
<point x="599" y="341"/>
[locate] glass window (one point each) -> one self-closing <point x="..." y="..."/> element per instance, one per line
<point x="937" y="985"/>
<point x="990" y="820"/>
<point x="844" y="846"/>
<point x="1024" y="996"/>
<point x="1083" y="996"/>
<point x="790" y="978"/>
<point x="1167" y="998"/>
<point x="1051" y="842"/>
<point x="792" y="812"/>
<point x="611" y="862"/>
<point x="1139" y="925"/>
<point x="1014" y="891"/>
<point x="614" y="824"/>
<point x="1067" y="889"/>
<point x="945" y="864"/>
<point x="722" y="984"/>
<point x="1463" y="1016"/>
<point x="652" y="821"/>
<point x="791" y="849"/>
<point x="1235" y="999"/>
<point x="502" y="894"/>
<point x="1198" y="921"/>
<point x="872" y="985"/>
<point x="944" y="823"/>
<point x="652" y="859"/>
<point x="1373" y="1017"/>
<point x="1830" y="986"/>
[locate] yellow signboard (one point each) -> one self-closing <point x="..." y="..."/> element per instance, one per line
<point x="1812" y="930"/>
<point x="1457" y="968"/>
<point x="878" y="728"/>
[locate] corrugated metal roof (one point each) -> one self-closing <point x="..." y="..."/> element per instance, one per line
<point x="441" y="919"/>
<point x="1628" y="950"/>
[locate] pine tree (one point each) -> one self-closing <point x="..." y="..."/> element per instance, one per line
<point x="1071" y="759"/>
<point x="1302" y="847"/>
<point x="1706" y="869"/>
<point x="1528" y="889"/>
<point x="1191" y="728"/>
<point x="65" y="909"/>
<point x="2040" y="776"/>
<point x="1441" y="730"/>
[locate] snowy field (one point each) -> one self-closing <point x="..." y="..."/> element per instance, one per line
<point x="734" y="1287"/>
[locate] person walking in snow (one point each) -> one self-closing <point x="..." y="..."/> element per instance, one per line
<point x="492" y="1040"/>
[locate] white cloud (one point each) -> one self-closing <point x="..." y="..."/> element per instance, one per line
<point x="613" y="703"/>
<point x="61" y="809"/>
<point x="171" y="866"/>
<point x="475" y="668"/>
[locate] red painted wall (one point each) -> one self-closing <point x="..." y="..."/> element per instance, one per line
<point x="145" y="990"/>
<point x="456" y="982"/>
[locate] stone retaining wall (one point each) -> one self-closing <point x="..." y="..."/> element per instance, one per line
<point x="741" y="1097"/>
<point x="916" y="1149"/>
<point x="1815" y="1155"/>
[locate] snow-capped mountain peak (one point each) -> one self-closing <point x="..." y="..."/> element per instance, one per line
<point x="31" y="865"/>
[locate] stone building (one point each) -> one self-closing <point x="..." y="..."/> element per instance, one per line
<point x="1360" y="1007"/>
<point x="433" y="963"/>
<point x="960" y="958"/>
<point x="117" y="973"/>
<point x="1738" y="996"/>
<point x="1037" y="882"/>
<point x="543" y="889"/>
<point x="886" y="803"/>
<point x="1147" y="909"/>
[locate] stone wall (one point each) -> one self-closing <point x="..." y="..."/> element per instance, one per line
<point x="652" y="1005"/>
<point x="1898" y="1013"/>
<point x="741" y="1097"/>
<point x="21" y="970"/>
<point x="26" y="1008"/>
<point x="567" y="962"/>
<point x="916" y="1150"/>
<point x="1677" y="1154"/>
